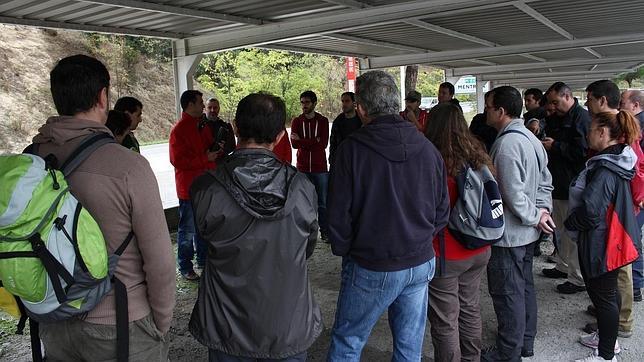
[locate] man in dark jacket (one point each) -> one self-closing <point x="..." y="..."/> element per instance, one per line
<point x="565" y="141"/>
<point x="258" y="217"/>
<point x="133" y="108"/>
<point x="344" y="124"/>
<point x="484" y="132"/>
<point x="222" y="131"/>
<point x="382" y="223"/>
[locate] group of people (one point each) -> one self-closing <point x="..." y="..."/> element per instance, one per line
<point x="252" y="219"/>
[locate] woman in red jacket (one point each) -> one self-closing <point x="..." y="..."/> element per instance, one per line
<point x="454" y="311"/>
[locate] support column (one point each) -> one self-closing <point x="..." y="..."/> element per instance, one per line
<point x="480" y="94"/>
<point x="450" y="77"/>
<point x="403" y="75"/>
<point x="184" y="69"/>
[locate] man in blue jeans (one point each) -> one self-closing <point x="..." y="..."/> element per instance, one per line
<point x="310" y="136"/>
<point x="192" y="152"/>
<point x="382" y="223"/>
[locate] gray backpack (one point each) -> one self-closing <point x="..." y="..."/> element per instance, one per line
<point x="476" y="220"/>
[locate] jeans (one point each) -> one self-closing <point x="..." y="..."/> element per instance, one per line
<point x="511" y="285"/>
<point x="321" y="183"/>
<point x="365" y="295"/>
<point x="188" y="240"/>
<point x="603" y="293"/>
<point x="218" y="356"/>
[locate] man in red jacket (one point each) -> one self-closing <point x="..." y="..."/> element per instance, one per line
<point x="190" y="154"/>
<point x="310" y="136"/>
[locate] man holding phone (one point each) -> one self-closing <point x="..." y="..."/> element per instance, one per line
<point x="222" y="131"/>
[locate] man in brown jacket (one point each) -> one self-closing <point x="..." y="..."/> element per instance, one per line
<point x="118" y="188"/>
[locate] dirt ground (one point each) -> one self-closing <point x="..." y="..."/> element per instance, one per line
<point x="560" y="320"/>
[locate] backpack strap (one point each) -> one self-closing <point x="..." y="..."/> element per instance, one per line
<point x="526" y="136"/>
<point x="122" y="319"/>
<point x="90" y="144"/>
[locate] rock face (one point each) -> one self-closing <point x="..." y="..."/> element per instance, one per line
<point x="27" y="55"/>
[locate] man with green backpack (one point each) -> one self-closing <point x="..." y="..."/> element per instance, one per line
<point x="83" y="238"/>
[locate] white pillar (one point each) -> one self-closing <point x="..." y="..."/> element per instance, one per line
<point x="449" y="77"/>
<point x="184" y="69"/>
<point x="480" y="94"/>
<point x="403" y="75"/>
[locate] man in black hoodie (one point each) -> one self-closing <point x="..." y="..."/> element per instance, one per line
<point x="258" y="217"/>
<point x="388" y="201"/>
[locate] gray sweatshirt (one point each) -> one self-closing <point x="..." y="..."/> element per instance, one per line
<point x="525" y="183"/>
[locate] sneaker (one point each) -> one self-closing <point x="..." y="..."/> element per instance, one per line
<point x="591" y="311"/>
<point x="554" y="273"/>
<point x="637" y="295"/>
<point x="592" y="341"/>
<point x="590" y="328"/>
<point x="191" y="275"/>
<point x="569" y="288"/>
<point x="594" y="358"/>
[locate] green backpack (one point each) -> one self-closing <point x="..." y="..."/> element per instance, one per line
<point x="53" y="255"/>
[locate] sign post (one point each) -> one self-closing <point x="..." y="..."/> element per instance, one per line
<point x="351" y="74"/>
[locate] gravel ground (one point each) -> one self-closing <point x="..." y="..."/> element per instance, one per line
<point x="560" y="320"/>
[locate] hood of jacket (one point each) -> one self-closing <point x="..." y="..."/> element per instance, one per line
<point x="257" y="181"/>
<point x="391" y="137"/>
<point x="619" y="158"/>
<point x="60" y="130"/>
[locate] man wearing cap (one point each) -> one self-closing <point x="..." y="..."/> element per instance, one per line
<point x="413" y="113"/>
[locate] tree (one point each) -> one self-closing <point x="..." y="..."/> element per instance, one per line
<point x="632" y="76"/>
<point x="411" y="77"/>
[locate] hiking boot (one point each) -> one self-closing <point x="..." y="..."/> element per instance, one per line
<point x="592" y="341"/>
<point x="623" y="333"/>
<point x="594" y="358"/>
<point x="637" y="295"/>
<point x="592" y="328"/>
<point x="489" y="354"/>
<point x="554" y="273"/>
<point x="191" y="275"/>
<point x="569" y="288"/>
<point x="527" y="353"/>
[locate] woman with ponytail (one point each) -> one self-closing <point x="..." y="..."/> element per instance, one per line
<point x="603" y="216"/>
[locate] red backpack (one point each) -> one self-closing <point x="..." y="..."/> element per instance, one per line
<point x="637" y="182"/>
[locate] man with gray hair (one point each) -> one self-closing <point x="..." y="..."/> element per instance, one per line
<point x="387" y="257"/>
<point x="633" y="101"/>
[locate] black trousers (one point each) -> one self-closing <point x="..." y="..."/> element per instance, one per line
<point x="511" y="285"/>
<point x="602" y="291"/>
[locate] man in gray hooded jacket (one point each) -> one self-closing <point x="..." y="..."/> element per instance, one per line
<point x="258" y="218"/>
<point x="526" y="185"/>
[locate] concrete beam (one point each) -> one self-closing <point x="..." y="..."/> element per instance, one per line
<point x="519" y="76"/>
<point x="326" y="24"/>
<point x="176" y="10"/>
<point x="475" y="53"/>
<point x="184" y="69"/>
<point x="90" y="28"/>
<point x="545" y="65"/>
